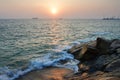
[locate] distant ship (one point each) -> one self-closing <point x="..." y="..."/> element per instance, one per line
<point x="35" y="18"/>
<point x="112" y="18"/>
<point x="60" y="18"/>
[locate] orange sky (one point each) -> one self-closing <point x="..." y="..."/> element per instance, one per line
<point x="65" y="8"/>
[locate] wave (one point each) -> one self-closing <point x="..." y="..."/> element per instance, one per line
<point x="50" y="59"/>
<point x="92" y="36"/>
<point x="100" y="33"/>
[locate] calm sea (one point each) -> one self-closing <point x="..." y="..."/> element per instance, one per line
<point x="35" y="44"/>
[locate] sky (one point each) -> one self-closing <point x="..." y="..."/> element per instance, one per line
<point x="59" y="8"/>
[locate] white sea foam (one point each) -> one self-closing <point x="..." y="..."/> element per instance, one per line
<point x="50" y="59"/>
<point x="54" y="60"/>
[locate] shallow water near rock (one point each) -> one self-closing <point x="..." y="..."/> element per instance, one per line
<point x="28" y="44"/>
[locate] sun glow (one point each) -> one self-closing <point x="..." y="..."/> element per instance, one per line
<point x="54" y="11"/>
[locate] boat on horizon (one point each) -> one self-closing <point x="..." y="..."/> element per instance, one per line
<point x="112" y="18"/>
<point x="35" y="18"/>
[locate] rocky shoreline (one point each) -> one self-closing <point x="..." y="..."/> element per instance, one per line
<point x="99" y="60"/>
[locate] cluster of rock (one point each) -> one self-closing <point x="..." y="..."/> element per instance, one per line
<point x="99" y="60"/>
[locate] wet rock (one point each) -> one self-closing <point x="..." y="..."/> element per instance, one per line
<point x="92" y="43"/>
<point x="113" y="66"/>
<point x="87" y="53"/>
<point x="75" y="49"/>
<point x="46" y="74"/>
<point x="83" y="51"/>
<point x="95" y="76"/>
<point x="98" y="73"/>
<point x="110" y="78"/>
<point x="118" y="50"/>
<point x="115" y="44"/>
<point x="98" y="61"/>
<point x="104" y="60"/>
<point x="84" y="75"/>
<point x="83" y="67"/>
<point x="103" y="45"/>
<point x="78" y="77"/>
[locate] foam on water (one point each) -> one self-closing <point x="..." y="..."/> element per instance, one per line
<point x="50" y="59"/>
<point x="55" y="60"/>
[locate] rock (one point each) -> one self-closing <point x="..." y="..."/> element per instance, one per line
<point x="95" y="76"/>
<point x="104" y="60"/>
<point x="118" y="50"/>
<point x="109" y="78"/>
<point x="77" y="48"/>
<point x="46" y="74"/>
<point x="115" y="44"/>
<point x="113" y="66"/>
<point x="98" y="73"/>
<point x="74" y="49"/>
<point x="99" y="61"/>
<point x="87" y="53"/>
<point x="103" y="45"/>
<point x="112" y="74"/>
<point x="92" y="43"/>
<point x="84" y="75"/>
<point x="78" y="77"/>
<point x="84" y="68"/>
<point x="83" y="51"/>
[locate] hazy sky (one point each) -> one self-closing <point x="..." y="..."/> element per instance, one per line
<point x="65" y="8"/>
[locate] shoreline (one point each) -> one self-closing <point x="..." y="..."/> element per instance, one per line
<point x="50" y="73"/>
<point x="99" y="60"/>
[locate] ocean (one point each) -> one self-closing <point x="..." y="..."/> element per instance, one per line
<point x="30" y="44"/>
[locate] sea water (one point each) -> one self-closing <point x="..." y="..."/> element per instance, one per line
<point x="29" y="44"/>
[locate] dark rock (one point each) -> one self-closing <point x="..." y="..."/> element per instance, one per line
<point x="84" y="75"/>
<point x="83" y="67"/>
<point x="115" y="44"/>
<point x="118" y="50"/>
<point x="92" y="43"/>
<point x="103" y="45"/>
<point x="99" y="61"/>
<point x="74" y="49"/>
<point x="104" y="60"/>
<point x="88" y="53"/>
<point x="83" y="51"/>
<point x="87" y="66"/>
<point x="114" y="66"/>
<point x="109" y="78"/>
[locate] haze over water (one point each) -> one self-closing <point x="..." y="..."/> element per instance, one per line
<point x="62" y="8"/>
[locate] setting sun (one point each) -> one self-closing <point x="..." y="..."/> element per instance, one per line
<point x="54" y="11"/>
